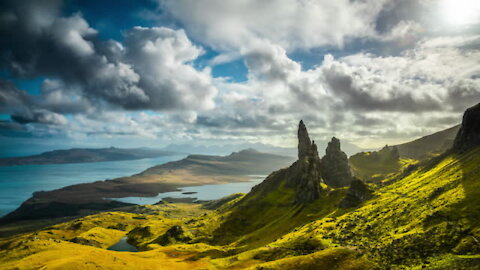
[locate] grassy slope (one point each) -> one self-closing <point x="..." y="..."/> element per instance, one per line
<point x="424" y="147"/>
<point x="416" y="221"/>
<point x="429" y="218"/>
<point x="371" y="166"/>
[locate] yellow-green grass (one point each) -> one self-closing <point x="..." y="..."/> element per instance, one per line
<point x="374" y="166"/>
<point x="430" y="212"/>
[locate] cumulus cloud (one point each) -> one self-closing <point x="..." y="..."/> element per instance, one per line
<point x="292" y="24"/>
<point x="162" y="56"/>
<point x="361" y="97"/>
<point x="39" y="116"/>
<point x="11" y="97"/>
<point x="148" y="86"/>
<point x="24" y="109"/>
<point x="154" y="73"/>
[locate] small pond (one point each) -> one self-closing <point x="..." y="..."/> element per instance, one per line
<point x="123" y="245"/>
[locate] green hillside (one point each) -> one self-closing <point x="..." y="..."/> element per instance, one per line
<point x="379" y="165"/>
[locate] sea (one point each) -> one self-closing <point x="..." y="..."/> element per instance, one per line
<point x="17" y="183"/>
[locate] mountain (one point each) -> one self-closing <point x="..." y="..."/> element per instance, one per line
<point x="225" y="149"/>
<point x="81" y="155"/>
<point x="427" y="146"/>
<point x="427" y="217"/>
<point x="194" y="170"/>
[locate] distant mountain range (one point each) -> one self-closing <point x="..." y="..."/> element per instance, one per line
<point x="418" y="149"/>
<point x="349" y="148"/>
<point x="81" y="155"/>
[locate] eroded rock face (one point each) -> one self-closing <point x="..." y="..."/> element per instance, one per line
<point x="469" y="134"/>
<point x="356" y="194"/>
<point x="304" y="143"/>
<point x="309" y="176"/>
<point x="303" y="175"/>
<point x="335" y="169"/>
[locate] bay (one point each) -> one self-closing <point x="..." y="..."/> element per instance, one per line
<point x="203" y="193"/>
<point x="17" y="183"/>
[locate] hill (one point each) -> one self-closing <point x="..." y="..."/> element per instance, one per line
<point x="82" y="155"/>
<point x="379" y="165"/>
<point x="430" y="145"/>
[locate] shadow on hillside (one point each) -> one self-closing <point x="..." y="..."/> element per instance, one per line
<point x="468" y="209"/>
<point x="456" y="224"/>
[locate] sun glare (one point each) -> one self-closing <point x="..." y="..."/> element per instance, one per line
<point x="461" y="12"/>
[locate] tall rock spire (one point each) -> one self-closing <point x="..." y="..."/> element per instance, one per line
<point x="304" y="143"/>
<point x="303" y="176"/>
<point x="335" y="169"/>
<point x="308" y="177"/>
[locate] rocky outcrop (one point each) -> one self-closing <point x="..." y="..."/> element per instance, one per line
<point x="335" y="169"/>
<point x="303" y="175"/>
<point x="307" y="176"/>
<point x="304" y="143"/>
<point x="176" y="234"/>
<point x="356" y="194"/>
<point x="469" y="134"/>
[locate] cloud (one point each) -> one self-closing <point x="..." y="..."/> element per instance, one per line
<point x="12" y="98"/>
<point x="361" y="97"/>
<point x="39" y="116"/>
<point x="148" y="85"/>
<point x="292" y="24"/>
<point x="162" y="56"/>
<point x="152" y="70"/>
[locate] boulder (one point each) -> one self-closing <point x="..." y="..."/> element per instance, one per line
<point x="357" y="193"/>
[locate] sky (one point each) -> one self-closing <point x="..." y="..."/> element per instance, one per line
<point x="213" y="72"/>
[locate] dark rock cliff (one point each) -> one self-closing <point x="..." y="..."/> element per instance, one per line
<point x="469" y="134"/>
<point x="335" y="169"/>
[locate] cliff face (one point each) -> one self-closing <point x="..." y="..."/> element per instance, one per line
<point x="469" y="134"/>
<point x="335" y="169"/>
<point x="307" y="175"/>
